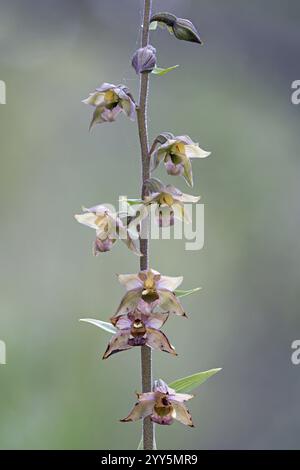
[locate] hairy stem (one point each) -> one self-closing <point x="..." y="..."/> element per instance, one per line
<point x="146" y="355"/>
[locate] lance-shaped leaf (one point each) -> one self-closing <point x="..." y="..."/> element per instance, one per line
<point x="100" y="324"/>
<point x="183" y="293"/>
<point x="187" y="384"/>
<point x="159" y="71"/>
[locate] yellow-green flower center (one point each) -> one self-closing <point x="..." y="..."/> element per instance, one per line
<point x="166" y="198"/>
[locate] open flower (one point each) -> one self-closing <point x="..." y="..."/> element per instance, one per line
<point x="109" y="101"/>
<point x="176" y="153"/>
<point x="139" y="328"/>
<point x="163" y="405"/>
<point x="168" y="202"/>
<point x="109" y="227"/>
<point x="152" y="288"/>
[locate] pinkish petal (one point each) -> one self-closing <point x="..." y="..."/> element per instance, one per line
<point x="101" y="246"/>
<point x="141" y="409"/>
<point x="123" y="322"/>
<point x="164" y="420"/>
<point x="169" y="283"/>
<point x="154" y="319"/>
<point x="182" y="414"/>
<point x="161" y="387"/>
<point x="129" y="302"/>
<point x="170" y="303"/>
<point x="130" y="281"/>
<point x="148" y="396"/>
<point x="179" y="397"/>
<point x="156" y="339"/>
<point x="119" y="342"/>
<point x="105" y="87"/>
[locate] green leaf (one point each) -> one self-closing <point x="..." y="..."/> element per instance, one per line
<point x="159" y="71"/>
<point x="132" y="202"/>
<point x="183" y="293"/>
<point x="101" y="324"/>
<point x="187" y="384"/>
<point x="153" y="25"/>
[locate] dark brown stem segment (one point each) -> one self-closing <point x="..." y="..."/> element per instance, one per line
<point x="146" y="355"/>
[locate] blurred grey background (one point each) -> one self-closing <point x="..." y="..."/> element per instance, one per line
<point x="233" y="96"/>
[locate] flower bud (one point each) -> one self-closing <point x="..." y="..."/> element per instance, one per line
<point x="186" y="31"/>
<point x="144" y="59"/>
<point x="182" y="29"/>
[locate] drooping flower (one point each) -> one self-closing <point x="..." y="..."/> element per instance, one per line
<point x="182" y="28"/>
<point x="163" y="405"/>
<point x="152" y="288"/>
<point x="139" y="328"/>
<point x="168" y="202"/>
<point x="144" y="59"/>
<point x="109" y="227"/>
<point x="109" y="101"/>
<point x="176" y="152"/>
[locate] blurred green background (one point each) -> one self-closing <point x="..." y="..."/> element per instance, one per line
<point x="233" y="96"/>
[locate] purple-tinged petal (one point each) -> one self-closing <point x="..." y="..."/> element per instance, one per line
<point x="169" y="283"/>
<point x="170" y="303"/>
<point x="105" y="87"/>
<point x="174" y="169"/>
<point x="146" y="309"/>
<point x="129" y="302"/>
<point x="101" y="246"/>
<point x="130" y="281"/>
<point x="185" y="139"/>
<point x="119" y="342"/>
<point x="164" y="216"/>
<point x="148" y="396"/>
<point x="163" y="420"/>
<point x="141" y="409"/>
<point x="155" y="320"/>
<point x="156" y="339"/>
<point x="123" y="322"/>
<point x="179" y="397"/>
<point x="110" y="115"/>
<point x="161" y="387"/>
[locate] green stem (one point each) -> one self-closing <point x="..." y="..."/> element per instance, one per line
<point x="146" y="354"/>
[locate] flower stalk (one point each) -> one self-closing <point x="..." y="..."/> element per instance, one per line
<point x="146" y="354"/>
<point x="150" y="298"/>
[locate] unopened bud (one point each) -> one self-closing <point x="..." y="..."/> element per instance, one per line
<point x="144" y="59"/>
<point x="186" y="31"/>
<point x="181" y="28"/>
